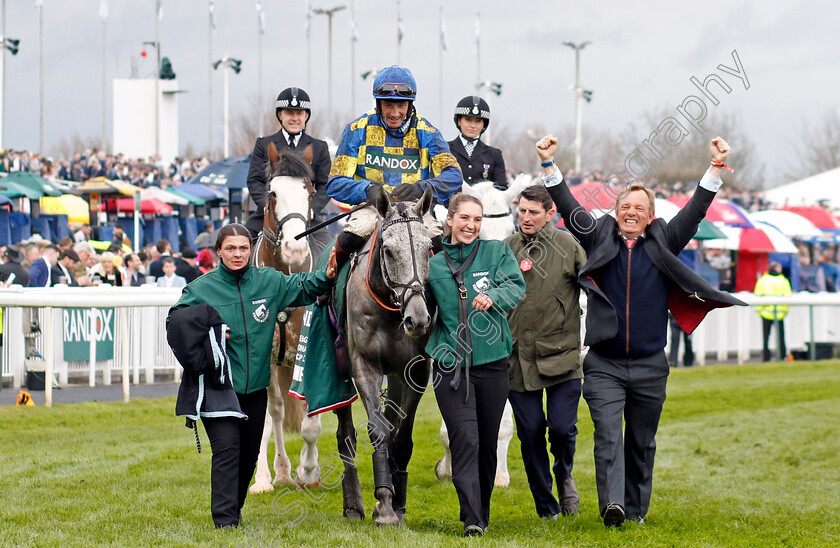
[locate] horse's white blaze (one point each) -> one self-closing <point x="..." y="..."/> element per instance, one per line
<point x="291" y="196"/>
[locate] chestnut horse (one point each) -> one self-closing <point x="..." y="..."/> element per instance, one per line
<point x="287" y="213"/>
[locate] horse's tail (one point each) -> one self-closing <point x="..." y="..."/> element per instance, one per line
<point x="294" y="407"/>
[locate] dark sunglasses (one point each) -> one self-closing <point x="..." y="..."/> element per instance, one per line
<point x="401" y="90"/>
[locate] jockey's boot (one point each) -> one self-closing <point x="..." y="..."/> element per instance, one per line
<point x="400" y="479"/>
<point x="437" y="244"/>
<point x="345" y="245"/>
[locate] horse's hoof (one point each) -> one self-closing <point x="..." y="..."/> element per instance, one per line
<point x="283" y="480"/>
<point x="354" y="514"/>
<point x="308" y="484"/>
<point x="440" y="472"/>
<point x="502" y="480"/>
<point x="385" y="520"/>
<point x="260" y="488"/>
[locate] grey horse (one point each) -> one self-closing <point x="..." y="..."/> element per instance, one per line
<point x="388" y="325"/>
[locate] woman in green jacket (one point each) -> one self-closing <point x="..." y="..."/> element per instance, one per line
<point x="474" y="283"/>
<point x="248" y="299"/>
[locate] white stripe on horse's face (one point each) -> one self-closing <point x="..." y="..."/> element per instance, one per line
<point x="291" y="196"/>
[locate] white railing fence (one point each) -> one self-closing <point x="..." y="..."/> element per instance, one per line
<point x="133" y="318"/>
<point x="140" y="347"/>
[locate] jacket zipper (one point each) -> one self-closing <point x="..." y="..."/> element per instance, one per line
<point x="245" y="328"/>
<point x="627" y="304"/>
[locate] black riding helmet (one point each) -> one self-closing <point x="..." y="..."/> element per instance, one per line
<point x="473" y="105"/>
<point x="293" y="99"/>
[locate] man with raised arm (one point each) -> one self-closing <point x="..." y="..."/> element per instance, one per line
<point x="632" y="277"/>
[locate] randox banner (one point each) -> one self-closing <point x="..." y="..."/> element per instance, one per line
<point x="76" y="324"/>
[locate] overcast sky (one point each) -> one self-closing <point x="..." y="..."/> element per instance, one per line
<point x="641" y="58"/>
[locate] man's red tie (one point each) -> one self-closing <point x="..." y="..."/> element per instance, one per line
<point x="630" y="243"/>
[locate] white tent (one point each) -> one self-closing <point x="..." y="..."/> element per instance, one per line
<point x="808" y="191"/>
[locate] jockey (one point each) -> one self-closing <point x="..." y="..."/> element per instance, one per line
<point x="393" y="148"/>
<point x="292" y="110"/>
<point x="479" y="162"/>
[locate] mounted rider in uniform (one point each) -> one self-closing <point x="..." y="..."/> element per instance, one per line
<point x="393" y="148"/>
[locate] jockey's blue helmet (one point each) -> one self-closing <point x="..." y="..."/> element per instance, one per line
<point x="395" y="83"/>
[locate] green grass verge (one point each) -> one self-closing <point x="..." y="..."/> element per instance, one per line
<point x="748" y="456"/>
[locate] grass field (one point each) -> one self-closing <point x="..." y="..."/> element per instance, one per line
<point x="747" y="456"/>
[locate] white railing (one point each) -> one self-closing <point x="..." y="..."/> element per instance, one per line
<point x="140" y="346"/>
<point x="139" y="336"/>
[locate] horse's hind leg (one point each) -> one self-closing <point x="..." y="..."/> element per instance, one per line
<point x="443" y="468"/>
<point x="308" y="472"/>
<point x="505" y="435"/>
<point x="354" y="507"/>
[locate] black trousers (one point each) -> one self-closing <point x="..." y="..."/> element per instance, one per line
<point x="561" y="404"/>
<point x="473" y="427"/>
<point x="236" y="446"/>
<point x="780" y="341"/>
<point x="632" y="389"/>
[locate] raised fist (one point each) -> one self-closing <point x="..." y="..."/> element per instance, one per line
<point x="547" y="147"/>
<point x="719" y="149"/>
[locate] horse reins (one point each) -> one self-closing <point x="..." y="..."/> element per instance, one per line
<point x="414" y="286"/>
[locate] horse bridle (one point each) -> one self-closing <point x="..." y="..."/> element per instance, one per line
<point x="415" y="285"/>
<point x="497" y="215"/>
<point x="273" y="236"/>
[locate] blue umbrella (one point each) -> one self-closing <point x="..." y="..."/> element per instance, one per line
<point x="202" y="191"/>
<point x="231" y="172"/>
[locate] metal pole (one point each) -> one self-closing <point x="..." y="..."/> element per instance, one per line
<point x="329" y="66"/>
<point x="157" y="87"/>
<point x="104" y="86"/>
<point x="260" y="117"/>
<point x="352" y="69"/>
<point x="440" y="66"/>
<point x="578" y="124"/>
<point x="41" y="60"/>
<point x="477" y="52"/>
<point x="812" y="351"/>
<point x="49" y="342"/>
<point x="210" y="89"/>
<point x="227" y="119"/>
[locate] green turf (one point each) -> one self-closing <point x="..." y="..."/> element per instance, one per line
<point x="748" y="456"/>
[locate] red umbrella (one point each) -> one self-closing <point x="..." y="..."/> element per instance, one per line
<point x="721" y="211"/>
<point x="820" y="217"/>
<point x="149" y="206"/>
<point x="595" y="197"/>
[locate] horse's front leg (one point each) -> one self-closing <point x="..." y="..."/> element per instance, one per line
<point x="369" y="384"/>
<point x="262" y="478"/>
<point x="354" y="507"/>
<point x="402" y="444"/>
<point x="443" y="468"/>
<point x="308" y="472"/>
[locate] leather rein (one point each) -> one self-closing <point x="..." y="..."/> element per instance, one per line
<point x="415" y="285"/>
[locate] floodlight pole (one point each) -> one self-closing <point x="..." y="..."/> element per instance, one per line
<point x="329" y="13"/>
<point x="579" y="99"/>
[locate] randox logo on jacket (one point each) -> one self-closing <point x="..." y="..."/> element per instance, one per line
<point x="392" y="162"/>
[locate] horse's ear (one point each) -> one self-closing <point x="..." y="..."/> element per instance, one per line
<point x="273" y="155"/>
<point x="307" y="154"/>
<point x="383" y="203"/>
<point x="467" y="189"/>
<point x="425" y="202"/>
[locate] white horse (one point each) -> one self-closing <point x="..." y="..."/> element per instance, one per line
<point x="497" y="224"/>
<point x="287" y="211"/>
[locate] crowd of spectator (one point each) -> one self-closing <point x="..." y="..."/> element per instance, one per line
<point x="79" y="262"/>
<point x="92" y="163"/>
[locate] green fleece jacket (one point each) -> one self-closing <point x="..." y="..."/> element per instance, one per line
<point x="494" y="271"/>
<point x="248" y="303"/>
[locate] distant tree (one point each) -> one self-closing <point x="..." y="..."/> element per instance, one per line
<point x="685" y="162"/>
<point x="65" y="148"/>
<point x="818" y="149"/>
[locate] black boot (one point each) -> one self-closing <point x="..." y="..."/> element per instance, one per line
<point x="400" y="480"/>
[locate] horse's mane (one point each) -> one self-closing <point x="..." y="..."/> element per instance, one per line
<point x="290" y="164"/>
